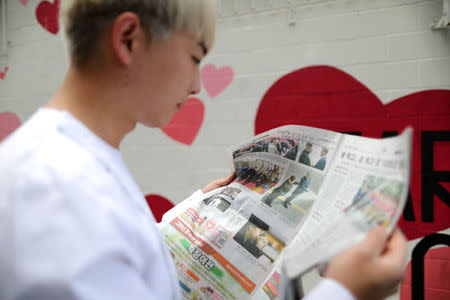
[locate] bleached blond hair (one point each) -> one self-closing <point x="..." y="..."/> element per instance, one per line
<point x="83" y="21"/>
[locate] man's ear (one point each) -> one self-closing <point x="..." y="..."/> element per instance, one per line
<point x="126" y="32"/>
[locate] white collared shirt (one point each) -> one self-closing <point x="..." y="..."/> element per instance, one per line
<point x="73" y="223"/>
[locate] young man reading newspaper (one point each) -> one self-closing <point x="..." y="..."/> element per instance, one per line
<point x="74" y="223"/>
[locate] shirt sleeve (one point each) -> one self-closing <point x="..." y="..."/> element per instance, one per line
<point x="329" y="289"/>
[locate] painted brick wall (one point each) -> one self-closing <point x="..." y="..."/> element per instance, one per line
<point x="387" y="45"/>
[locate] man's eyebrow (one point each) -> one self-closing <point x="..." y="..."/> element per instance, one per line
<point x="203" y="46"/>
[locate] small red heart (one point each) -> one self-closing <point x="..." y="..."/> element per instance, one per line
<point x="47" y="15"/>
<point x="326" y="97"/>
<point x="216" y="80"/>
<point x="186" y="123"/>
<point x="3" y="73"/>
<point x="24" y="2"/>
<point x="8" y="123"/>
<point x="159" y="205"/>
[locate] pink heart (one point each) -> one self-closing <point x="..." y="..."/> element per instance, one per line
<point x="24" y="2"/>
<point x="159" y="205"/>
<point x="8" y="123"/>
<point x="216" y="80"/>
<point x="186" y="123"/>
<point x="47" y="15"/>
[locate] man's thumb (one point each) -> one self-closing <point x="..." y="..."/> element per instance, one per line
<point x="375" y="239"/>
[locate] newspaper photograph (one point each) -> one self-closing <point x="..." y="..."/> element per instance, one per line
<point x="293" y="197"/>
<point x="258" y="172"/>
<point x="375" y="202"/>
<point x="282" y="144"/>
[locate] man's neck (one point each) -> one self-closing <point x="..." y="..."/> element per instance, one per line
<point x="97" y="105"/>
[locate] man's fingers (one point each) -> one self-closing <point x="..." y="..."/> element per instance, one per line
<point x="396" y="250"/>
<point x="226" y="180"/>
<point x="375" y="240"/>
<point x="218" y="183"/>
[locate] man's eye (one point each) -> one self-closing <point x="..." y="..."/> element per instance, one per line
<point x="196" y="60"/>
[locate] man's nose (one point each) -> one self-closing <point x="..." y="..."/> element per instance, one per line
<point x="196" y="85"/>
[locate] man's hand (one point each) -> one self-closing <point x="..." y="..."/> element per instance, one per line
<point x="372" y="269"/>
<point x="218" y="183"/>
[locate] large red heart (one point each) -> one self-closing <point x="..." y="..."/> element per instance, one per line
<point x="326" y="97"/>
<point x="186" y="123"/>
<point x="8" y="123"/>
<point x="216" y="80"/>
<point x="47" y="15"/>
<point x="159" y="205"/>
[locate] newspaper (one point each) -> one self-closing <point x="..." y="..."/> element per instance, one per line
<point x="300" y="196"/>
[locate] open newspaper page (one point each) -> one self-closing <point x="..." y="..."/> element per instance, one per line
<point x="226" y="243"/>
<point x="366" y="185"/>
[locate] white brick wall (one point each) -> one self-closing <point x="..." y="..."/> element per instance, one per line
<point x="386" y="44"/>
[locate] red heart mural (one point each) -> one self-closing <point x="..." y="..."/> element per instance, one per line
<point x="186" y="123"/>
<point x="436" y="270"/>
<point x="3" y="73"/>
<point x="47" y="15"/>
<point x="159" y="205"/>
<point x="8" y="123"/>
<point x="216" y="80"/>
<point x="326" y="97"/>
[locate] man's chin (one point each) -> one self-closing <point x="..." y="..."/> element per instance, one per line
<point x="159" y="121"/>
<point x="156" y="124"/>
